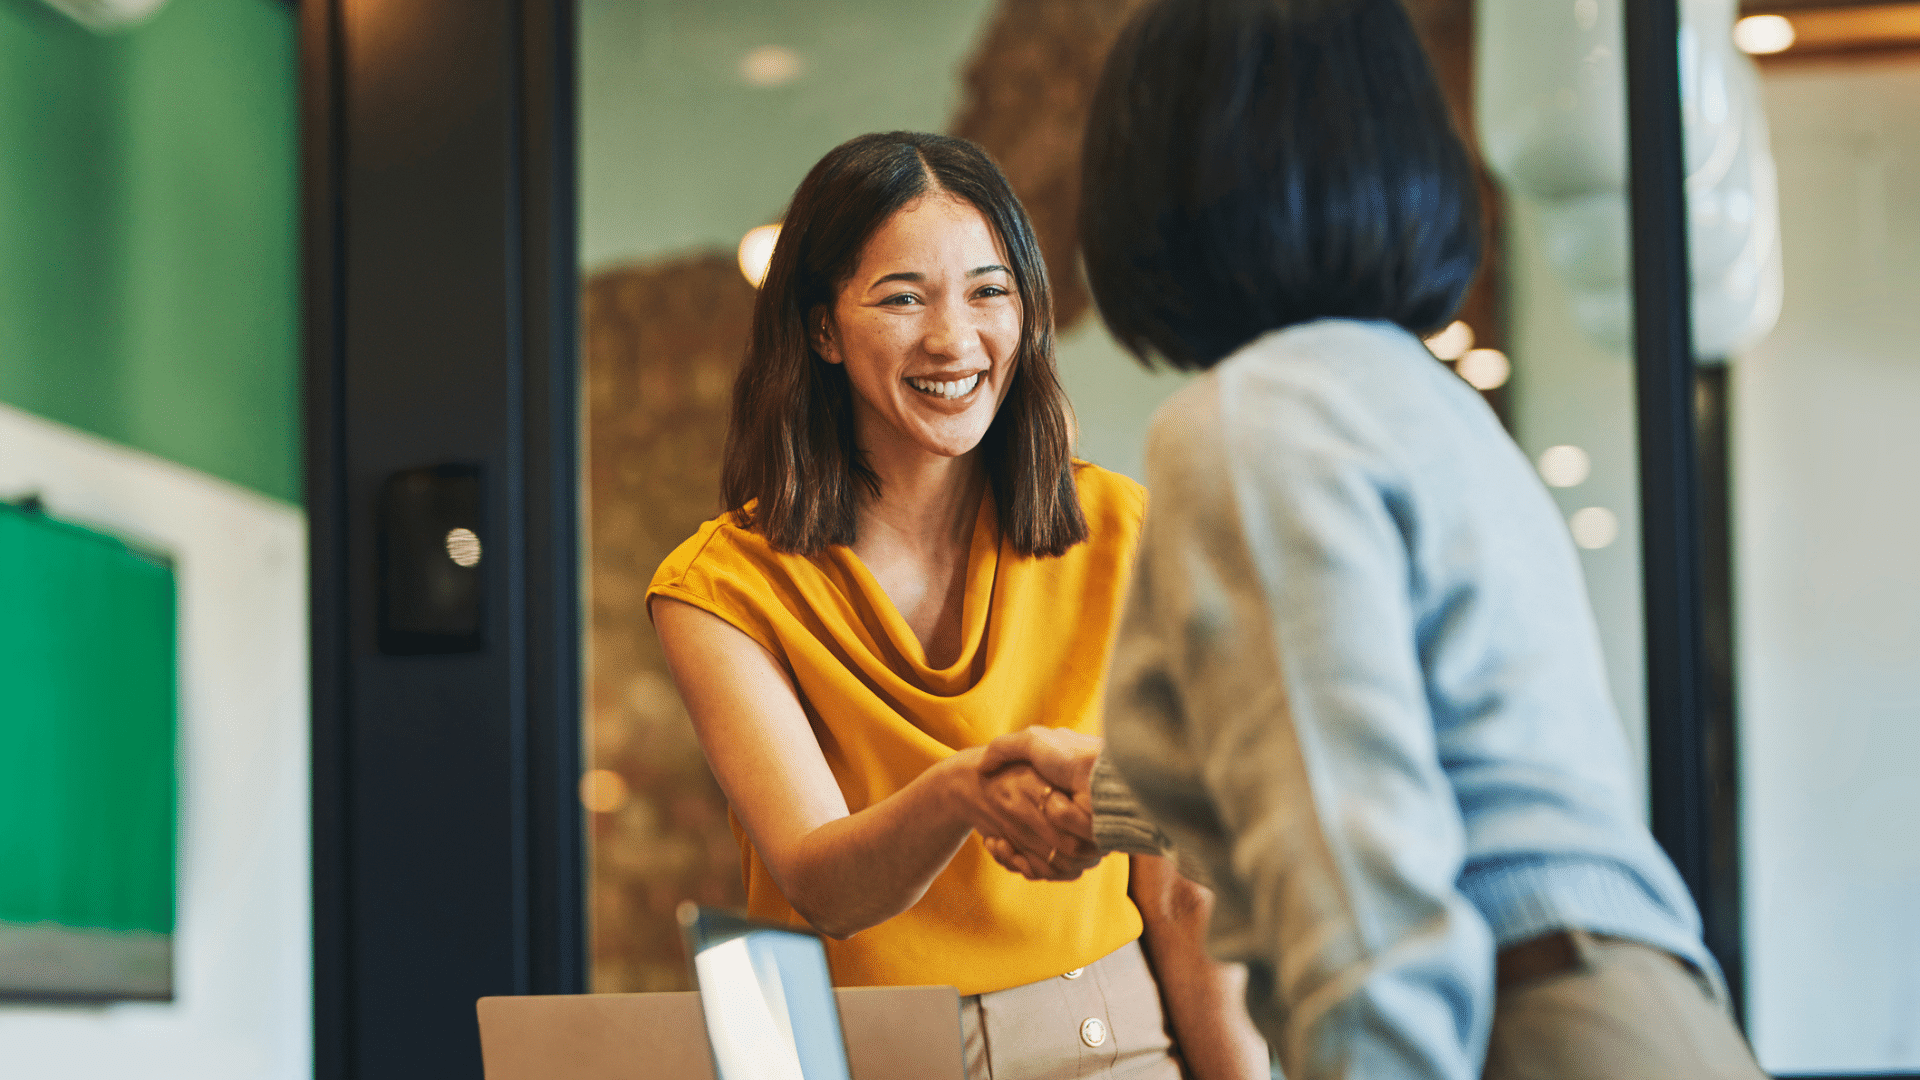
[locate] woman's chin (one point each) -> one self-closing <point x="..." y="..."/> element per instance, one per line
<point x="951" y="440"/>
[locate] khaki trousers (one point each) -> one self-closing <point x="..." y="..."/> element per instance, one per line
<point x="1103" y="1020"/>
<point x="1625" y="1011"/>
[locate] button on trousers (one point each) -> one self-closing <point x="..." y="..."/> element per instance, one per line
<point x="1103" y="1021"/>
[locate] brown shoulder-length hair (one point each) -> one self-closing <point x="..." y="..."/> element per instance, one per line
<point x="790" y="445"/>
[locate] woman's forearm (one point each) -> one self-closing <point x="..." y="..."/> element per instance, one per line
<point x="863" y="869"/>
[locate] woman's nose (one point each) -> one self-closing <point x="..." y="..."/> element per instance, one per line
<point x="952" y="332"/>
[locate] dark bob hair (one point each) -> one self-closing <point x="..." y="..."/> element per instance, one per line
<point x="790" y="440"/>
<point x="1254" y="164"/>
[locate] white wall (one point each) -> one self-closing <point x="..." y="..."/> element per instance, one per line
<point x="1827" y="441"/>
<point x="242" y="943"/>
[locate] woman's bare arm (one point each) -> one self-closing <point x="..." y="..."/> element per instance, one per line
<point x="843" y="872"/>
<point x="1204" y="999"/>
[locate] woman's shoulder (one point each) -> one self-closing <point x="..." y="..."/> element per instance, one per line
<point x="729" y="570"/>
<point x="1108" y="496"/>
<point x="720" y="550"/>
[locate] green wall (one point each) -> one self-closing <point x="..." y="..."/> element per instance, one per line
<point x="149" y="278"/>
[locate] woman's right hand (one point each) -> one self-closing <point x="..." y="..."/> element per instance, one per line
<point x="1042" y="776"/>
<point x="1009" y="806"/>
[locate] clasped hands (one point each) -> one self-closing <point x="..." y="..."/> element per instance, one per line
<point x="1038" y="784"/>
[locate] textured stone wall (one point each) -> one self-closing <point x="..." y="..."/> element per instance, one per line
<point x="662" y="344"/>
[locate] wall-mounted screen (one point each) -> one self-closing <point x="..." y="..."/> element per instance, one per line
<point x="88" y="784"/>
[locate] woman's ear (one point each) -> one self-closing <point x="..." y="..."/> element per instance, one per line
<point x="820" y="333"/>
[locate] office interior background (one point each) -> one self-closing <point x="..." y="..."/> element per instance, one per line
<point x="152" y="298"/>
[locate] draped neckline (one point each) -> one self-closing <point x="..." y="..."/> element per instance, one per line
<point x="983" y="564"/>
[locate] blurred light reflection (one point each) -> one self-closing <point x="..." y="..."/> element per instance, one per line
<point x="1565" y="466"/>
<point x="1484" y="369"/>
<point x="1761" y="35"/>
<point x="756" y="252"/>
<point x="1594" y="527"/>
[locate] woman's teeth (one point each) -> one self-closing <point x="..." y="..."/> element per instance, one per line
<point x="957" y="389"/>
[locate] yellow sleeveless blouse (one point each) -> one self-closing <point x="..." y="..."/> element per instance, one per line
<point x="1036" y="635"/>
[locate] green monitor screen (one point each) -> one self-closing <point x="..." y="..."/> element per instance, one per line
<point x="88" y="785"/>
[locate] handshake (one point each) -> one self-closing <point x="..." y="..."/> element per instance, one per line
<point x="1035" y="809"/>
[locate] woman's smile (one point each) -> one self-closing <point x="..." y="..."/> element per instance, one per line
<point x="950" y="388"/>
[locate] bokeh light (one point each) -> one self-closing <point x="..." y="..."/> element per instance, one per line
<point x="771" y="65"/>
<point x="1452" y="343"/>
<point x="1594" y="527"/>
<point x="1484" y="369"/>
<point x="1762" y="35"/>
<point x="1565" y="466"/>
<point x="463" y="547"/>
<point x="756" y="252"/>
<point x="604" y="791"/>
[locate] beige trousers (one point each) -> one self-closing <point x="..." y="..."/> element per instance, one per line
<point x="1624" y="1012"/>
<point x="1103" y="1020"/>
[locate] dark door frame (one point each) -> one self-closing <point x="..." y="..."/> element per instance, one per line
<point x="1673" y="552"/>
<point x="441" y="291"/>
<point x="1682" y="411"/>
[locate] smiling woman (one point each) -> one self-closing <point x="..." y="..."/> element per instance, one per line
<point x="910" y="564"/>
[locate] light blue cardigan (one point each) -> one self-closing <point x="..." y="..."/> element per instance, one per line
<point x="1359" y="681"/>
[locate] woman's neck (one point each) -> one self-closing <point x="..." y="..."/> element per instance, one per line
<point x="926" y="501"/>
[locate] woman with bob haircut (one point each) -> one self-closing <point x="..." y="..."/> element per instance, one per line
<point x="909" y="564"/>
<point x="1358" y="679"/>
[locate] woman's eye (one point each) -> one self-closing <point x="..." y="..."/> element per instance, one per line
<point x="901" y="300"/>
<point x="992" y="290"/>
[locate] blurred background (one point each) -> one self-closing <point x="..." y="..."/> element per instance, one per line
<point x="151" y="399"/>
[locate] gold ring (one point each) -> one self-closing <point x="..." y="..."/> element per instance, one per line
<point x="1051" y="852"/>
